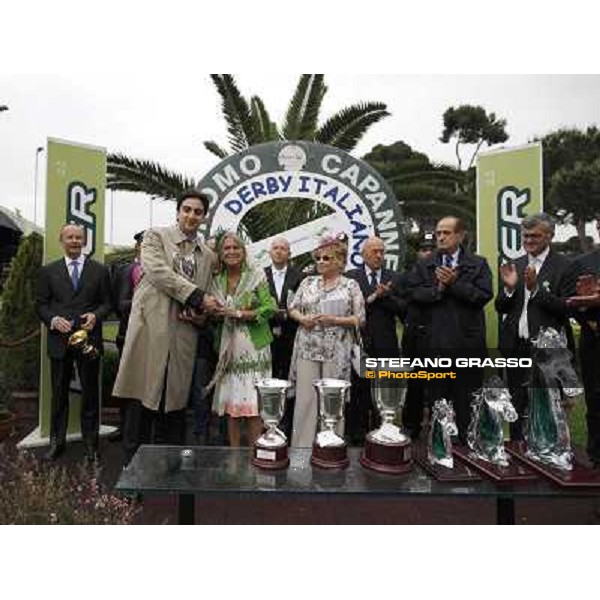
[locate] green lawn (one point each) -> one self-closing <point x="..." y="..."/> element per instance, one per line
<point x="577" y="423"/>
<point x="109" y="330"/>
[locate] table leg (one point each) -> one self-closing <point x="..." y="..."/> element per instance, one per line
<point x="185" y="509"/>
<point x="505" y="510"/>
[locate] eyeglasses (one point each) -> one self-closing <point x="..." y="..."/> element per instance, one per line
<point x="322" y="258"/>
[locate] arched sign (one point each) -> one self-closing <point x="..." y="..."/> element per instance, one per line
<point x="363" y="203"/>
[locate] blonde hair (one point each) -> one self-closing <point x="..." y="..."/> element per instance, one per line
<point x="237" y="239"/>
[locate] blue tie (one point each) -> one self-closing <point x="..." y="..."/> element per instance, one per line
<point x="75" y="274"/>
<point x="447" y="260"/>
<point x="373" y="279"/>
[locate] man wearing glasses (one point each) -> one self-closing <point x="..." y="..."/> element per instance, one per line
<point x="533" y="294"/>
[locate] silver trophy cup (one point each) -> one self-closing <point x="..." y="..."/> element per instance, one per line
<point x="329" y="449"/>
<point x="270" y="450"/>
<point x="387" y="449"/>
<point x="389" y="400"/>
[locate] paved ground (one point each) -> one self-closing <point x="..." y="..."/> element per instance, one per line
<point x="247" y="510"/>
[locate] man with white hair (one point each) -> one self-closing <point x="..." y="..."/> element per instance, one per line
<point x="284" y="280"/>
<point x="383" y="305"/>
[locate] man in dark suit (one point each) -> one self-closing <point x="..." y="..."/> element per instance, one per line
<point x="586" y="309"/>
<point x="284" y="280"/>
<point x="383" y="305"/>
<point x="449" y="290"/>
<point x="533" y="293"/>
<point x="412" y="413"/>
<point x="73" y="293"/>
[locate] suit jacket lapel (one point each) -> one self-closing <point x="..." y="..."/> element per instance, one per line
<point x="546" y="269"/>
<point x="271" y="281"/>
<point x="364" y="282"/>
<point x="63" y="274"/>
<point x="83" y="276"/>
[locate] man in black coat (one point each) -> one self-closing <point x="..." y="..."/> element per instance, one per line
<point x="586" y="309"/>
<point x="284" y="280"/>
<point x="126" y="278"/>
<point x="412" y="413"/>
<point x="383" y="305"/>
<point x="73" y="293"/>
<point x="533" y="294"/>
<point x="449" y="291"/>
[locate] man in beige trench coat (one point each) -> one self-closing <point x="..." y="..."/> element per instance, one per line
<point x="160" y="347"/>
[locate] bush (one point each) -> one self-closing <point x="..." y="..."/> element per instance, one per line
<point x="20" y="364"/>
<point x="40" y="493"/>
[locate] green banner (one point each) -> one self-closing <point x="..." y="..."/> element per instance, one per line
<point x="509" y="187"/>
<point x="75" y="190"/>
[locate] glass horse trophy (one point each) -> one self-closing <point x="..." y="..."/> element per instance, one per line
<point x="554" y="379"/>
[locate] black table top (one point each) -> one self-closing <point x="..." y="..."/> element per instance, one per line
<point x="224" y="470"/>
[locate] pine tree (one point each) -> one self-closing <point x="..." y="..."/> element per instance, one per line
<point x="20" y="364"/>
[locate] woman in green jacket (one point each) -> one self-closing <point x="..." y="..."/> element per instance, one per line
<point x="243" y="337"/>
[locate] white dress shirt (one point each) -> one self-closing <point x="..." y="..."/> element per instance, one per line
<point x="278" y="280"/>
<point x="536" y="262"/>
<point x="80" y="260"/>
<point x="369" y="271"/>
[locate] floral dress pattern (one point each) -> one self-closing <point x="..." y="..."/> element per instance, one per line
<point x="327" y="344"/>
<point x="235" y="394"/>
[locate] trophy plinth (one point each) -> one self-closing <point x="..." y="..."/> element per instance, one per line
<point x="391" y="458"/>
<point x="271" y="448"/>
<point x="330" y="457"/>
<point x="330" y="451"/>
<point x="387" y="449"/>
<point x="269" y="458"/>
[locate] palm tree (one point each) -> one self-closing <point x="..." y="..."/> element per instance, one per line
<point x="248" y="124"/>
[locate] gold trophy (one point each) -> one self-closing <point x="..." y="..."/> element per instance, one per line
<point x="79" y="341"/>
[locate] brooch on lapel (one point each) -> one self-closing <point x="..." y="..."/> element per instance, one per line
<point x="546" y="285"/>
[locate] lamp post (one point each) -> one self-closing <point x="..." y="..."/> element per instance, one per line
<point x="35" y="184"/>
<point x="152" y="209"/>
<point x="112" y="214"/>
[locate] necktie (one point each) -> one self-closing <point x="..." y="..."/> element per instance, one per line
<point x="447" y="260"/>
<point x="373" y="279"/>
<point x="279" y="277"/>
<point x="75" y="274"/>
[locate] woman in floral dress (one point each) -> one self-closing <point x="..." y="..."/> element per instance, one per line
<point x="243" y="338"/>
<point x="328" y="308"/>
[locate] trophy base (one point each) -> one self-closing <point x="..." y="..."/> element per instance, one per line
<point x="580" y="476"/>
<point x="511" y="474"/>
<point x="390" y="459"/>
<point x="270" y="458"/>
<point x="330" y="457"/>
<point x="460" y="471"/>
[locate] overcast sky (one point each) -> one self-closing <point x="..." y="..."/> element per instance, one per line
<point x="168" y="122"/>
